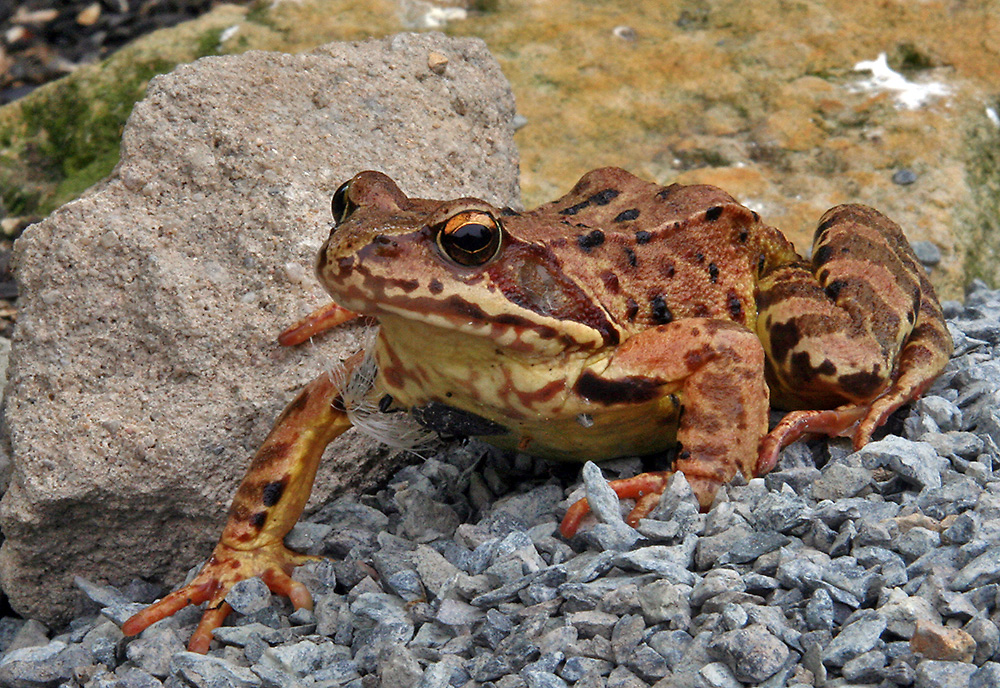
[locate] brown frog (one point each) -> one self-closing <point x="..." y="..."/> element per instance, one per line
<point x="622" y="319"/>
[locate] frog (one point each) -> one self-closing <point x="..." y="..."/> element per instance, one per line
<point x="626" y="318"/>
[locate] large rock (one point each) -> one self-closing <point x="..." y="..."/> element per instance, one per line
<point x="145" y="369"/>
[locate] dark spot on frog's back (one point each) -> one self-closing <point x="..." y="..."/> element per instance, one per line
<point x="642" y="237"/>
<point x="574" y="209"/>
<point x="435" y="286"/>
<point x="713" y="272"/>
<point x="659" y="311"/>
<point x="258" y="519"/>
<point x="631" y="308"/>
<point x="822" y="255"/>
<point x="604" y="197"/>
<point x="626" y="390"/>
<point x="630" y="257"/>
<point x="734" y="305"/>
<point x="803" y="370"/>
<point x="667" y="191"/>
<point x="713" y="213"/>
<point x="590" y="240"/>
<point x="627" y="215"/>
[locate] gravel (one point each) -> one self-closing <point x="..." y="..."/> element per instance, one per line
<point x="878" y="567"/>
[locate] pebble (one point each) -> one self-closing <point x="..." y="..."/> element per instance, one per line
<point x="934" y="641"/>
<point x="938" y="674"/>
<point x="752" y="653"/>
<point x="855" y="638"/>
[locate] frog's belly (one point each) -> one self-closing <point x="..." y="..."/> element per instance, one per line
<point x="629" y="430"/>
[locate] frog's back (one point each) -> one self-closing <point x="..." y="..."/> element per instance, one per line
<point x="652" y="254"/>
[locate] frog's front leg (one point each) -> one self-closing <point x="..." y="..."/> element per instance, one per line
<point x="713" y="369"/>
<point x="859" y="332"/>
<point x="267" y="504"/>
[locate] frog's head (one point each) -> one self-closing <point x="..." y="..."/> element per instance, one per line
<point x="461" y="265"/>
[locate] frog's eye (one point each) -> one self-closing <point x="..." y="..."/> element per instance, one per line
<point x="469" y="238"/>
<point x="342" y="205"/>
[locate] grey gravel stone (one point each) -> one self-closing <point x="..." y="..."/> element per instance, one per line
<point x="620" y="677"/>
<point x="153" y="650"/>
<point x="200" y="671"/>
<point x="718" y="675"/>
<point x="249" y="596"/>
<point x="542" y="679"/>
<point x="982" y="570"/>
<point x="819" y="610"/>
<point x="45" y="665"/>
<point x="916" y="542"/>
<point x="987" y="676"/>
<point x="915" y="462"/>
<point x="902" y="612"/>
<point x="855" y="638"/>
<point x="576" y="667"/>
<point x="714" y="583"/>
<point x="783" y="511"/>
<point x="752" y="653"/>
<point x="865" y="668"/>
<point x="987" y="637"/>
<point x="839" y="480"/>
<point x="937" y="674"/>
<point x="29" y="633"/>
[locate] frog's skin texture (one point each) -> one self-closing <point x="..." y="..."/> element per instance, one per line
<point x="622" y="319"/>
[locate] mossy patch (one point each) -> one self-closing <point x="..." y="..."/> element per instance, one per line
<point x="64" y="137"/>
<point x="983" y="177"/>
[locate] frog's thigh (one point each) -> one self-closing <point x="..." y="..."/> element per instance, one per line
<point x="718" y="367"/>
<point x="834" y="330"/>
<point x="860" y="329"/>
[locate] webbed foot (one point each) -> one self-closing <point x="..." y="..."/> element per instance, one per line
<point x="227" y="566"/>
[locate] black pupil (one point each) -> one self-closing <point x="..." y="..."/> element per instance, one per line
<point x="471" y="237"/>
<point x="339" y="205"/>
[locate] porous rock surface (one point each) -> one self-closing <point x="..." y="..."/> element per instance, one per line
<point x="145" y="370"/>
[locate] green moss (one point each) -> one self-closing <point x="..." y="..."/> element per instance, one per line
<point x="208" y="43"/>
<point x="701" y="157"/>
<point x="68" y="140"/>
<point x="982" y="235"/>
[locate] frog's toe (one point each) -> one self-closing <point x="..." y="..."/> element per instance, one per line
<point x="210" y="620"/>
<point x="830" y="422"/>
<point x="195" y="593"/>
<point x="280" y="583"/>
<point x="644" y="488"/>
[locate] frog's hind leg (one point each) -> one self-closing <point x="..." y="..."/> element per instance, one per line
<point x="859" y="332"/>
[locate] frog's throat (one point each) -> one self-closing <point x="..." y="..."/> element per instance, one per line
<point x="361" y="401"/>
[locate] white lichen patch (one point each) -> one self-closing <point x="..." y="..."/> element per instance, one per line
<point x="909" y="94"/>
